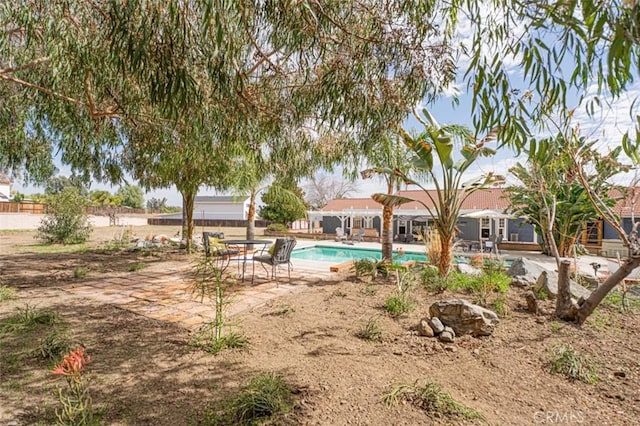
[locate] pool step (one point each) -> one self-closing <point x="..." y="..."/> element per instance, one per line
<point x="341" y="266"/>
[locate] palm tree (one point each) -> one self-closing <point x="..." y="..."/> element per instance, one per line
<point x="387" y="156"/>
<point x="450" y="191"/>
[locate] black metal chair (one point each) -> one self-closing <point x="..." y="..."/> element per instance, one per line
<point x="281" y="255"/>
<point x="215" y="247"/>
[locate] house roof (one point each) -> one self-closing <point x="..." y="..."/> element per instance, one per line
<point x="489" y="199"/>
<point x="4" y="179"/>
<point x="221" y="199"/>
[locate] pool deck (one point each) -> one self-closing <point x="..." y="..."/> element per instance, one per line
<point x="583" y="262"/>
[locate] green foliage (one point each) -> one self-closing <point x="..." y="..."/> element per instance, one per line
<point x="131" y="196"/>
<point x="157" y="204"/>
<point x="104" y="198"/>
<point x="7" y="293"/>
<point x="481" y="285"/>
<point x="18" y="197"/>
<point x="431" y="279"/>
<point x="282" y="205"/>
<point x="620" y="300"/>
<point x="565" y="360"/>
<point x="27" y="319"/>
<point x="80" y="272"/>
<point x="266" y="397"/>
<point x="435" y="156"/>
<point x="371" y="331"/>
<point x="500" y="306"/>
<point x="57" y="184"/>
<point x="549" y="188"/>
<point x="398" y="305"/>
<point x="277" y="227"/>
<point x="208" y="281"/>
<point x="136" y="266"/>
<point x="53" y="345"/>
<point x="431" y="398"/>
<point x="66" y="221"/>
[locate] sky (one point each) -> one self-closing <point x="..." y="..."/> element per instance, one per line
<point x="608" y="126"/>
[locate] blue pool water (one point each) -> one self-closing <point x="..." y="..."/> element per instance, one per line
<point x="343" y="254"/>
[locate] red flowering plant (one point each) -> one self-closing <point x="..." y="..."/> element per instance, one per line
<point x="76" y="403"/>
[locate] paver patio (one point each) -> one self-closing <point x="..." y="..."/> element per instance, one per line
<point x="165" y="295"/>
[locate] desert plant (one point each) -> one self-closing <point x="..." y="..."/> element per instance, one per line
<point x="53" y="345"/>
<point x="7" y="293"/>
<point x="80" y="272"/>
<point x="208" y="281"/>
<point x="431" y="398"/>
<point x="398" y="304"/>
<point x="27" y="318"/>
<point x="567" y="361"/>
<point x="364" y="268"/>
<point x="500" y="306"/>
<point x="370" y="331"/>
<point x="75" y="404"/>
<point x="136" y="266"/>
<point x="433" y="246"/>
<point x="265" y="397"/>
<point x="66" y="221"/>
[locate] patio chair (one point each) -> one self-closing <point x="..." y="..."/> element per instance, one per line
<point x="359" y="236"/>
<point x="280" y="255"/>
<point x="215" y="247"/>
<point x="340" y="235"/>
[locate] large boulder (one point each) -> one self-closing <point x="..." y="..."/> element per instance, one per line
<point x="547" y="282"/>
<point x="464" y="317"/>
<point x="524" y="271"/>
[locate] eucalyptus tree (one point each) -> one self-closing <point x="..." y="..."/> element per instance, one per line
<point x="390" y="159"/>
<point x="434" y="155"/>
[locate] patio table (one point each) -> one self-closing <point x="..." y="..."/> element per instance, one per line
<point x="247" y="244"/>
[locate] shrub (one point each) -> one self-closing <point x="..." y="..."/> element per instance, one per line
<point x="264" y="398"/>
<point x="398" y="305"/>
<point x="66" y="221"/>
<point x="277" y="227"/>
<point x="431" y="398"/>
<point x="431" y="279"/>
<point x="75" y="403"/>
<point x="500" y="306"/>
<point x="53" y="345"/>
<point x="7" y="293"/>
<point x="80" y="271"/>
<point x="371" y="331"/>
<point x="28" y="318"/>
<point x="567" y="361"/>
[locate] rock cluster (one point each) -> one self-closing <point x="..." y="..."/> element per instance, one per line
<point x="457" y="317"/>
<point x="528" y="274"/>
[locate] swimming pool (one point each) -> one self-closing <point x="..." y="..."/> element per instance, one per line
<point x="344" y="254"/>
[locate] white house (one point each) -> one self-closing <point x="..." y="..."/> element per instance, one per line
<point x="5" y="187"/>
<point x="221" y="207"/>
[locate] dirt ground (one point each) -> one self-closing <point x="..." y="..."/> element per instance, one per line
<point x="144" y="372"/>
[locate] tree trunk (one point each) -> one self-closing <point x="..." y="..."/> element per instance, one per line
<point x="565" y="308"/>
<point x="188" y="198"/>
<point x="251" y="218"/>
<point x="587" y="307"/>
<point x="446" y="255"/>
<point x="387" y="234"/>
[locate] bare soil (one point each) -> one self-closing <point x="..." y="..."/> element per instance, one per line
<point x="144" y="372"/>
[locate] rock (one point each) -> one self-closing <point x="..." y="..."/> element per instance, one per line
<point x="548" y="282"/>
<point x="450" y="348"/>
<point x="424" y="329"/>
<point x="447" y="337"/>
<point x="465" y="268"/>
<point x="532" y="302"/>
<point x="436" y="325"/>
<point x="159" y="239"/>
<point x="464" y="317"/>
<point x="525" y="270"/>
<point x="521" y="282"/>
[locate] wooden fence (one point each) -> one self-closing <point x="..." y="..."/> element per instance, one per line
<point x="28" y="208"/>
<point x="231" y="223"/>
